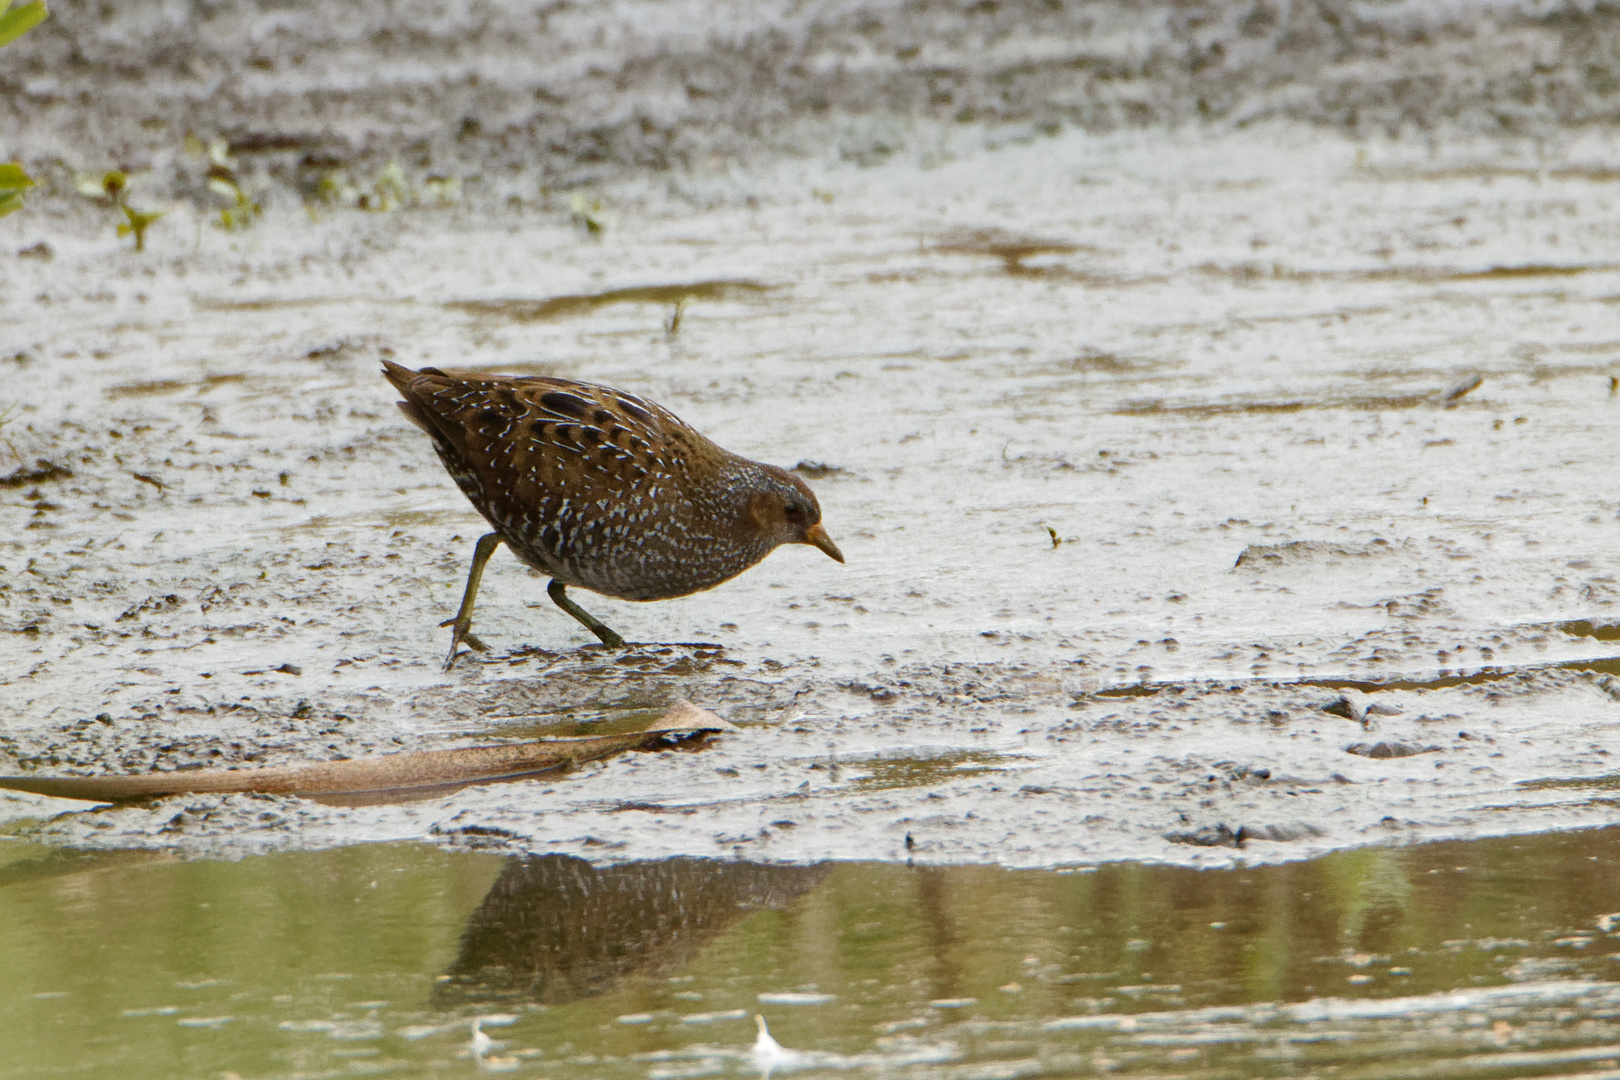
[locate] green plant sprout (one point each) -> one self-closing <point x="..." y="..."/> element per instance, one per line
<point x="17" y="21"/>
<point x="137" y="224"/>
<point x="223" y="181"/>
<point x="243" y="210"/>
<point x="14" y="23"/>
<point x="592" y="215"/>
<point x="113" y="187"/>
<point x="446" y="190"/>
<point x="13" y="182"/>
<point x="390" y="191"/>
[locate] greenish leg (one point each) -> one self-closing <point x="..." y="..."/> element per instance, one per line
<point x="463" y="620"/>
<point x="556" y="590"/>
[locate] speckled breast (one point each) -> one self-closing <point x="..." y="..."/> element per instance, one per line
<point x="598" y="489"/>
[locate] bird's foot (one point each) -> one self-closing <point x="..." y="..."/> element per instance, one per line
<point x="607" y="636"/>
<point x="462" y="633"/>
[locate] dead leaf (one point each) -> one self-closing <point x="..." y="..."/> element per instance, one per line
<point x="387" y="778"/>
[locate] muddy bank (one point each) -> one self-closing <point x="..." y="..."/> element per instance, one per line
<point x="1142" y="448"/>
<point x="502" y="96"/>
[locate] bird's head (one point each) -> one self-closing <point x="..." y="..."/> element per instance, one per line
<point x="785" y="510"/>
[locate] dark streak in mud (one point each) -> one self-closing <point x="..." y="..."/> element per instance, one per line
<point x="1013" y="251"/>
<point x="884" y="774"/>
<point x="214" y="303"/>
<point x="1607" y="665"/>
<point x="1535" y="270"/>
<point x="162" y="387"/>
<point x="1587" y="628"/>
<point x="1263" y="408"/>
<point x="42" y="472"/>
<point x="559" y="307"/>
<point x="1607" y="782"/>
<point x="1254" y="271"/>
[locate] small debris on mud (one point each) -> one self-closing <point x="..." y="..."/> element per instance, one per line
<point x="1389" y="749"/>
<point x="1357" y="706"/>
<point x="817" y="470"/>
<point x="1225" y="836"/>
<point x="1298" y="552"/>
<point x="398" y="777"/>
<point x="41" y="472"/>
<point x="1462" y="390"/>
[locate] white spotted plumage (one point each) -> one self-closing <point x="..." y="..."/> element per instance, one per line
<point x="598" y="488"/>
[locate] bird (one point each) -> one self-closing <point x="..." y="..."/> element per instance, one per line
<point x="481" y="1043"/>
<point x="600" y="489"/>
<point x="768" y="1054"/>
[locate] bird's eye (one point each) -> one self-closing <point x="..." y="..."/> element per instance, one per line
<point x="795" y="509"/>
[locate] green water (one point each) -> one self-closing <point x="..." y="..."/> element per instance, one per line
<point x="1486" y="959"/>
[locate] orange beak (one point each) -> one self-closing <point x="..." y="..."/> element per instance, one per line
<point x="816" y="536"/>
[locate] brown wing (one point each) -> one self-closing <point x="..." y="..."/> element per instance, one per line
<point x="533" y="447"/>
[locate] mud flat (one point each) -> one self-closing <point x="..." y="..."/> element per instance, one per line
<point x="1144" y="448"/>
<point x="1222" y="477"/>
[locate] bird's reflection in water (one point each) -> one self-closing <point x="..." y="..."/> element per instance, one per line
<point x="555" y="929"/>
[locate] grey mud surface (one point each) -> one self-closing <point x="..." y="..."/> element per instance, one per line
<point x="1144" y="447"/>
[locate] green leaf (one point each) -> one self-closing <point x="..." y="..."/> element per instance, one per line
<point x="19" y="20"/>
<point x="13" y="182"/>
<point x="13" y="178"/>
<point x="137" y="224"/>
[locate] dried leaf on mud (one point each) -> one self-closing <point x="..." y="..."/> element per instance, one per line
<point x="388" y="777"/>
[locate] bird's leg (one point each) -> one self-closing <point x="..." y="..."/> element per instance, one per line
<point x="559" y="597"/>
<point x="463" y="620"/>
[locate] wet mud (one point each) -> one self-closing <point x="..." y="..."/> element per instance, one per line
<point x="1215" y="490"/>
<point x="481" y="97"/>
<point x="1120" y="543"/>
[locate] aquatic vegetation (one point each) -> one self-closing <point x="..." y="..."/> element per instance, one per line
<point x="445" y="190"/>
<point x="241" y="213"/>
<point x="386" y="193"/>
<point x="14" y="23"/>
<point x="17" y="21"/>
<point x="590" y="215"/>
<point x="137" y="224"/>
<point x="224" y="181"/>
<point x="13" y="182"/>
<point x="390" y="190"/>
<point x="113" y="188"/>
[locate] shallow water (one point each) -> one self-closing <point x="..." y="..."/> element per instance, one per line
<point x="1486" y="958"/>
